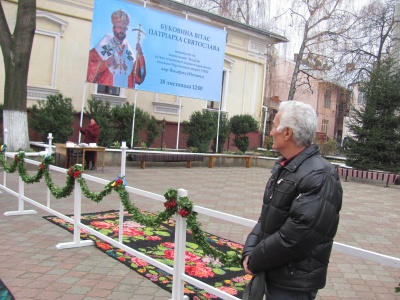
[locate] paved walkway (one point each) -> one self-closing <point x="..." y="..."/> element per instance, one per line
<point x="32" y="267"/>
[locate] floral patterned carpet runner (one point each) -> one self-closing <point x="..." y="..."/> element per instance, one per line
<point x="158" y="243"/>
<point x="5" y="294"/>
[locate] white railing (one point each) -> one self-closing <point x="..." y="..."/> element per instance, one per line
<point x="179" y="276"/>
<point x="178" y="271"/>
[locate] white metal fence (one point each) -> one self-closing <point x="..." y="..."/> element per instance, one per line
<point x="178" y="271"/>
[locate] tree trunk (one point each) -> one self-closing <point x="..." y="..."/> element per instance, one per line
<point x="16" y="123"/>
<point x="16" y="49"/>
<point x="296" y="71"/>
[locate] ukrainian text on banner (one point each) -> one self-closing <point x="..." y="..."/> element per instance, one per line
<point x="135" y="47"/>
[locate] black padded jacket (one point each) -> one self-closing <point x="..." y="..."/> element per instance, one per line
<point x="293" y="237"/>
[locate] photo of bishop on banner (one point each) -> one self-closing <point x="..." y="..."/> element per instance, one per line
<point x="135" y="47"/>
<point x="112" y="61"/>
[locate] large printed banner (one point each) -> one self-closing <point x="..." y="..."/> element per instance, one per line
<point x="135" y="47"/>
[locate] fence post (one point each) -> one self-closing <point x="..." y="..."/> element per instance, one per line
<point x="121" y="206"/>
<point x="50" y="138"/>
<point x="179" y="254"/>
<point x="77" y="220"/>
<point x="49" y="151"/>
<point x="21" y="194"/>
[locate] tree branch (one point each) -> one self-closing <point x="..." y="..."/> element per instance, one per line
<point x="5" y="34"/>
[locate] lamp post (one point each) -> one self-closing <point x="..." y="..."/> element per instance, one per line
<point x="162" y="133"/>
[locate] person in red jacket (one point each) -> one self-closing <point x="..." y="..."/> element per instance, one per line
<point x="91" y="136"/>
<point x="112" y="61"/>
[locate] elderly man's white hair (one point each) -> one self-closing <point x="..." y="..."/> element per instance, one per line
<point x="301" y="118"/>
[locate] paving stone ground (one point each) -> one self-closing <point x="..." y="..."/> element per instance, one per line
<point x="32" y="267"/>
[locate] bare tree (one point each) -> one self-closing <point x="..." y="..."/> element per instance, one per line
<point x="322" y="24"/>
<point x="369" y="41"/>
<point x="396" y="33"/>
<point x="253" y="13"/>
<point x="16" y="48"/>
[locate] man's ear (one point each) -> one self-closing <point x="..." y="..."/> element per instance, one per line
<point x="288" y="133"/>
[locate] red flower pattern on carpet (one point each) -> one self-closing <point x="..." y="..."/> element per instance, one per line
<point x="158" y="244"/>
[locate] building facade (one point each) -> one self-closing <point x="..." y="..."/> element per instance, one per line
<point x="60" y="55"/>
<point x="330" y="100"/>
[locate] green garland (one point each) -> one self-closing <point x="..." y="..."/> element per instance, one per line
<point x="65" y="191"/>
<point x="173" y="204"/>
<point x="9" y="168"/>
<point x="25" y="177"/>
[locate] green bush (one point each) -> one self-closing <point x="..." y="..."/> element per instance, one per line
<point x="54" y="115"/>
<point x="116" y="123"/>
<point x="241" y="125"/>
<point x="122" y="115"/>
<point x="102" y="112"/>
<point x="123" y="118"/>
<point x="224" y="131"/>
<point x="201" y="129"/>
<point x="152" y="129"/>
<point x="327" y="147"/>
<point x="269" y="142"/>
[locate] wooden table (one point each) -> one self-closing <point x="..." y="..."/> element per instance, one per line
<point x="62" y="149"/>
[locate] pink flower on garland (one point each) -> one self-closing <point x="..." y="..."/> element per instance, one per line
<point x="184" y="212"/>
<point x="170" y="204"/>
<point x="41" y="166"/>
<point x="118" y="182"/>
<point x="73" y="173"/>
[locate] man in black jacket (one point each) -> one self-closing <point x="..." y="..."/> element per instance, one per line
<point x="293" y="238"/>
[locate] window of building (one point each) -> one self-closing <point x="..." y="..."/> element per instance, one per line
<point x="108" y="90"/>
<point x="342" y="103"/>
<point x="324" y="127"/>
<point x="214" y="104"/>
<point x="44" y="56"/>
<point x="112" y="94"/>
<point x="229" y="62"/>
<point x="327" y="98"/>
<point x="342" y="108"/>
<point x="360" y="98"/>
